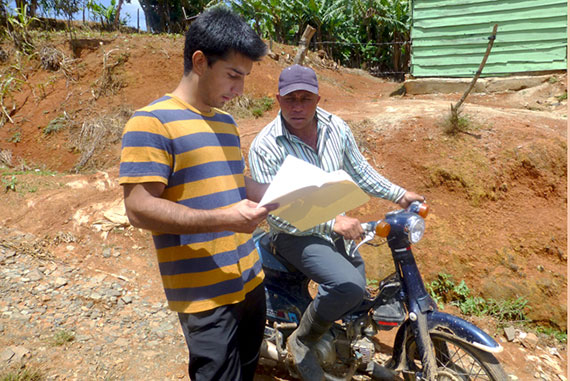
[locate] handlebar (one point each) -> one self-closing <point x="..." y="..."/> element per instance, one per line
<point x="382" y="228"/>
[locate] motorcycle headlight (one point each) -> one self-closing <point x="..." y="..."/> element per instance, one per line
<point x="415" y="228"/>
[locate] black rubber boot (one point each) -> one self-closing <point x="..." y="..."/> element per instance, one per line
<point x="301" y="342"/>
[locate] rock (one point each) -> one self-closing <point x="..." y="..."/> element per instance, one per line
<point x="6" y="355"/>
<point x="35" y="275"/>
<point x="530" y="340"/>
<point x="20" y="353"/>
<point x="122" y="342"/>
<point x="60" y="282"/>
<point x="510" y="333"/>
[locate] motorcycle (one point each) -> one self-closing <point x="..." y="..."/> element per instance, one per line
<point x="428" y="345"/>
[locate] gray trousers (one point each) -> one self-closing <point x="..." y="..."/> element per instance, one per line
<point x="341" y="278"/>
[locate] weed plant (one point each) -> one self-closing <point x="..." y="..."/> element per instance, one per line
<point x="561" y="337"/>
<point x="61" y="337"/>
<point x="19" y="25"/>
<point x="10" y="184"/>
<point x="15" y="138"/>
<point x="444" y="290"/>
<point x="456" y="124"/>
<point x="8" y="84"/>
<point x="57" y="124"/>
<point x="247" y="107"/>
<point x="97" y="133"/>
<point x="22" y="375"/>
<point x="6" y="158"/>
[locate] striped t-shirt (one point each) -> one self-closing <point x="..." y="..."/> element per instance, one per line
<point x="336" y="149"/>
<point x="198" y="157"/>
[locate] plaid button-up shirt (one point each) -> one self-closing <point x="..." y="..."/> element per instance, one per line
<point x="336" y="149"/>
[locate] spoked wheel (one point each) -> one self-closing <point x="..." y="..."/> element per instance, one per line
<point x="456" y="361"/>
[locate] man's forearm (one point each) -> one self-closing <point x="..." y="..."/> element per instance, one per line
<point x="165" y="216"/>
<point x="254" y="190"/>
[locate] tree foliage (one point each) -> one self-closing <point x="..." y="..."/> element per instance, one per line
<point x="370" y="33"/>
<point x="167" y="16"/>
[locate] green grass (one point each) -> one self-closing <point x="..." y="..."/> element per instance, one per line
<point x="261" y="105"/>
<point x="10" y="180"/>
<point x="247" y="107"/>
<point x="22" y="375"/>
<point x="62" y="337"/>
<point x="10" y="184"/>
<point x="56" y="125"/>
<point x="444" y="290"/>
<point x="372" y="282"/>
<point x="15" y="138"/>
<point x="561" y="337"/>
<point x="37" y="172"/>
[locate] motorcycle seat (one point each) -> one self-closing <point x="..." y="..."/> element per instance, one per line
<point x="270" y="258"/>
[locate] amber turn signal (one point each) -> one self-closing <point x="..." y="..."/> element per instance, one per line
<point x="424" y="210"/>
<point x="383" y="229"/>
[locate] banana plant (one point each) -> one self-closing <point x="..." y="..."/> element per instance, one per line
<point x="19" y="29"/>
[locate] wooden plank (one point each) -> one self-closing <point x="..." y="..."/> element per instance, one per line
<point x="492" y="70"/>
<point x="457" y="8"/>
<point x="514" y="48"/>
<point x="520" y="54"/>
<point x="478" y="31"/>
<point x="492" y="18"/>
<point x="495" y="57"/>
<point x="449" y="37"/>
<point x="423" y="4"/>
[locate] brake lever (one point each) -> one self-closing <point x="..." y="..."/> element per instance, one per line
<point x="369" y="233"/>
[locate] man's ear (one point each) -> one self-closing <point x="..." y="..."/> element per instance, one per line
<point x="199" y="62"/>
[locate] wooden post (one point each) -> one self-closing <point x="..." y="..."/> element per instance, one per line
<point x="455" y="110"/>
<point x="478" y="73"/>
<point x="138" y="29"/>
<point x="304" y="44"/>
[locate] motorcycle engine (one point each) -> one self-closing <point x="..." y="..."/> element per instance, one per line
<point x="325" y="349"/>
<point x="363" y="349"/>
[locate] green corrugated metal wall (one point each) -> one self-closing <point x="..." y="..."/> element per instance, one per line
<point x="449" y="37"/>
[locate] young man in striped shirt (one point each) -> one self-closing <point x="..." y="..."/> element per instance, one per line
<point x="183" y="177"/>
<point x="310" y="133"/>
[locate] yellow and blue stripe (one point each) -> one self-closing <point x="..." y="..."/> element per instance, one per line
<point x="198" y="157"/>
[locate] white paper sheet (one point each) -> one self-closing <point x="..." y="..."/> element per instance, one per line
<point x="308" y="196"/>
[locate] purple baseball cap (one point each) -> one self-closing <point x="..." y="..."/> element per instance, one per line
<point x="298" y="77"/>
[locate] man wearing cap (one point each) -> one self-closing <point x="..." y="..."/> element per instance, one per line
<point x="312" y="134"/>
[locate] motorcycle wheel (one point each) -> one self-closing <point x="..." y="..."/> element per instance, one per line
<point x="456" y="361"/>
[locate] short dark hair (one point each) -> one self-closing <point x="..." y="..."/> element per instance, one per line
<point x="218" y="32"/>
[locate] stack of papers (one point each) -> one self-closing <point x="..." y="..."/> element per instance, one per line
<point x="308" y="196"/>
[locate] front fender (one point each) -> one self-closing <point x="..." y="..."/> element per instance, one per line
<point x="448" y="324"/>
<point x="463" y="330"/>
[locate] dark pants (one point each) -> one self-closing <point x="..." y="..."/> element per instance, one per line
<point x="224" y="342"/>
<point x="341" y="278"/>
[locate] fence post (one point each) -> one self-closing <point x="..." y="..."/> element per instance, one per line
<point x="303" y="44"/>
